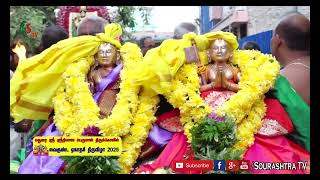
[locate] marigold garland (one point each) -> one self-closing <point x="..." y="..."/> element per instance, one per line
<point x="118" y="123"/>
<point x="76" y="109"/>
<point x="185" y="95"/>
<point x="258" y="71"/>
<point x="142" y="124"/>
<point x="74" y="94"/>
<point x="258" y="74"/>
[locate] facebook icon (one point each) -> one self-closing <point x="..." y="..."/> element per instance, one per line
<point x="219" y="165"/>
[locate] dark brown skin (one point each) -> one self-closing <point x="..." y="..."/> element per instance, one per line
<point x="23" y="126"/>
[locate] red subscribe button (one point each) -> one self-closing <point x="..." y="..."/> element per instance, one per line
<point x="198" y="165"/>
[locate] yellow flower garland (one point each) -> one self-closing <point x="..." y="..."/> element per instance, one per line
<point x="139" y="131"/>
<point x="118" y="123"/>
<point x="74" y="94"/>
<point x="246" y="107"/>
<point x="76" y="109"/>
<point x="185" y="95"/>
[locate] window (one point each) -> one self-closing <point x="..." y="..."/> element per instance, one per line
<point x="243" y="30"/>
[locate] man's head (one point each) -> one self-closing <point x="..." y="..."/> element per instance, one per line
<point x="292" y="35"/>
<point x="146" y="43"/>
<point x="92" y="25"/>
<point x="251" y="46"/>
<point x="51" y="35"/>
<point x="83" y="11"/>
<point x="184" y="28"/>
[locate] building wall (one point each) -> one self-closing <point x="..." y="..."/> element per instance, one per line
<point x="205" y="24"/>
<point x="305" y="10"/>
<point x="264" y="18"/>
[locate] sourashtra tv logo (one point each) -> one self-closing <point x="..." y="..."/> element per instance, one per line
<point x="26" y="28"/>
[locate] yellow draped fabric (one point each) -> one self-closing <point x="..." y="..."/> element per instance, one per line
<point x="227" y="36"/>
<point x="160" y="64"/>
<point x="111" y="33"/>
<point x="36" y="79"/>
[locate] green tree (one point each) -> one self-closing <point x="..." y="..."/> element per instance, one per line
<point x="125" y="17"/>
<point x="49" y="13"/>
<point x="19" y="17"/>
<point x="38" y="16"/>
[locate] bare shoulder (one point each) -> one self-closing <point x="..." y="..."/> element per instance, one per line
<point x="299" y="78"/>
<point x="296" y="75"/>
<point x="296" y="71"/>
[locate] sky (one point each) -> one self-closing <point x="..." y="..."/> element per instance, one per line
<point x="165" y="18"/>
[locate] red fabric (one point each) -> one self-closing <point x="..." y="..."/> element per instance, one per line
<point x="264" y="149"/>
<point x="276" y="112"/>
<point x="148" y="149"/>
<point x="204" y="94"/>
<point x="62" y="169"/>
<point x="175" y="150"/>
<point x="170" y="121"/>
<point x="276" y="149"/>
<point x="167" y="115"/>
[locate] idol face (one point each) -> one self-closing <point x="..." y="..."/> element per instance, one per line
<point x="106" y="55"/>
<point x="220" y="50"/>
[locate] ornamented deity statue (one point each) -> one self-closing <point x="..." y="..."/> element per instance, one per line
<point x="103" y="74"/>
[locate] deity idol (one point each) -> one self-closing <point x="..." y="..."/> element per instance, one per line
<point x="102" y="69"/>
<point x="219" y="82"/>
<point x="104" y="78"/>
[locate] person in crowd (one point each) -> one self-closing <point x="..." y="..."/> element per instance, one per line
<point x="290" y="44"/>
<point x="92" y="25"/>
<point x="51" y="35"/>
<point x="146" y="43"/>
<point x="184" y="28"/>
<point x="250" y="45"/>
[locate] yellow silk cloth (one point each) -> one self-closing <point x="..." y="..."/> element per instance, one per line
<point x="227" y="36"/>
<point x="36" y="79"/>
<point x="160" y="64"/>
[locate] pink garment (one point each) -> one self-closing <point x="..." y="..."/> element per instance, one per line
<point x="276" y="149"/>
